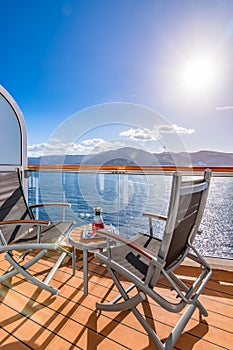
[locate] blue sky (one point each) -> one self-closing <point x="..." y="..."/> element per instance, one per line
<point x="172" y="56"/>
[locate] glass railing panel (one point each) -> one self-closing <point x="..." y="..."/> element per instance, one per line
<point x="124" y="197"/>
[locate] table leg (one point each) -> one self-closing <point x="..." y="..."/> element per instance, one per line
<point x="85" y="271"/>
<point x="74" y="260"/>
<point x="101" y="251"/>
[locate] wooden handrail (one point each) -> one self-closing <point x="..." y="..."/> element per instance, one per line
<point x="129" y="168"/>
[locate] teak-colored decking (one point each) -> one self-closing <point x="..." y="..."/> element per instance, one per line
<point x="33" y="319"/>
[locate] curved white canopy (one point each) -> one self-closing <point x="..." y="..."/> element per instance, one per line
<point x="13" y="134"/>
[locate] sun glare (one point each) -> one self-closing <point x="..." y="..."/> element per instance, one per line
<point x="198" y="75"/>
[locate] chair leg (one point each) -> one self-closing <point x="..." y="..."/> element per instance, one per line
<point x="117" y="298"/>
<point x="174" y="335"/>
<point x="125" y="305"/>
<point x="55" y="267"/>
<point x="201" y="308"/>
<point x="12" y="271"/>
<point x="130" y="303"/>
<point x="22" y="269"/>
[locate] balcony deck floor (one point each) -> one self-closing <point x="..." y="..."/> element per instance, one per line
<point x="33" y="319"/>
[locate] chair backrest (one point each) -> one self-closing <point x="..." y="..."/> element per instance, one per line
<point x="13" y="205"/>
<point x="187" y="204"/>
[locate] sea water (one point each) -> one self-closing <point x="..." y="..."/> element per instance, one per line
<point x="123" y="199"/>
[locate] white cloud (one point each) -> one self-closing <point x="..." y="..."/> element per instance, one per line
<point x="173" y="129"/>
<point x="138" y="134"/>
<point x="38" y="149"/>
<point x="92" y="142"/>
<point x="55" y="147"/>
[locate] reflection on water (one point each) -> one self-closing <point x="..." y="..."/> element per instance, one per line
<point x="217" y="223"/>
<point x="124" y="198"/>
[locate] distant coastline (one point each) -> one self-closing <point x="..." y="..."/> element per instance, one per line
<point x="133" y="156"/>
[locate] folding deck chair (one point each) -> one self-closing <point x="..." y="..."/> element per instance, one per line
<point x="21" y="232"/>
<point x="144" y="260"/>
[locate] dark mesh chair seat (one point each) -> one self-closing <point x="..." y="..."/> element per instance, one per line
<point x="133" y="261"/>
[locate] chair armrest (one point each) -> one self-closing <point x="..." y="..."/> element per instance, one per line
<point x="62" y="205"/>
<point x="25" y="222"/>
<point x="59" y="204"/>
<point x="140" y="249"/>
<point x="155" y="216"/>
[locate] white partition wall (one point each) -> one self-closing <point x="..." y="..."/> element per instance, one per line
<point x="13" y="135"/>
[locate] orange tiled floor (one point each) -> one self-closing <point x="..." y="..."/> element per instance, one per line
<point x="33" y="319"/>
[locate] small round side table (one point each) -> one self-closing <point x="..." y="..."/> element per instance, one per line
<point x="78" y="242"/>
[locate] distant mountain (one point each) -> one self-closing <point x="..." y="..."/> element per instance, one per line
<point x="212" y="158"/>
<point x="122" y="156"/>
<point x="133" y="156"/>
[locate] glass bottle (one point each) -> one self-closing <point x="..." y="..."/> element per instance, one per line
<point x="97" y="220"/>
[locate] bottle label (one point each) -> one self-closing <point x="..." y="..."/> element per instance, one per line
<point x="96" y="226"/>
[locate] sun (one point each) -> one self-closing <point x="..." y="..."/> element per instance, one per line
<point x="198" y="75"/>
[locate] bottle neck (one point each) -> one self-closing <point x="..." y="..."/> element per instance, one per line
<point x="98" y="218"/>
